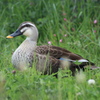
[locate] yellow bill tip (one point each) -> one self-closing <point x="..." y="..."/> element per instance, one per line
<point x="9" y="36"/>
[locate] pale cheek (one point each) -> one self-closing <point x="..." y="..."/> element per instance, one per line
<point x="27" y="33"/>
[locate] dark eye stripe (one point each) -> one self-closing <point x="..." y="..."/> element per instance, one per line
<point x="27" y="25"/>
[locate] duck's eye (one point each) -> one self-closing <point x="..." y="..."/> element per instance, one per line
<point x="23" y="29"/>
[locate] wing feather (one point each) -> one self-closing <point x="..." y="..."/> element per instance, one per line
<point x="57" y="52"/>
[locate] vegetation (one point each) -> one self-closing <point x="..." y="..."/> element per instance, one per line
<point x="70" y="24"/>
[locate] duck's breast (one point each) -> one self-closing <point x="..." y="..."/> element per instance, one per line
<point x="23" y="56"/>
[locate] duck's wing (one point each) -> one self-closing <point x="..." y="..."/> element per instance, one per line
<point x="57" y="52"/>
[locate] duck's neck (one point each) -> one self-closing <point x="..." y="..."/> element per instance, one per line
<point x="31" y="39"/>
<point x="28" y="44"/>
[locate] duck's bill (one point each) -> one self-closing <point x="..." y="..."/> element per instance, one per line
<point x="16" y="33"/>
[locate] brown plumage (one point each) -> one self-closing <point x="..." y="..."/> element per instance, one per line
<point x="55" y="53"/>
<point x="48" y="59"/>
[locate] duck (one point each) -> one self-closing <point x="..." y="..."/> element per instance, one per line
<point x="47" y="59"/>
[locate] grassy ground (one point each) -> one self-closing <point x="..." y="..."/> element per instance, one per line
<point x="72" y="25"/>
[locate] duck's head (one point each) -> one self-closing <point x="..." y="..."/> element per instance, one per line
<point x="26" y="28"/>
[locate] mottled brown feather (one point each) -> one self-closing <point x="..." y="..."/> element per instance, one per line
<point x="57" y="52"/>
<point x="52" y="64"/>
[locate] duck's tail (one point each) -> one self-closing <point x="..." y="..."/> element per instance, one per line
<point x="75" y="65"/>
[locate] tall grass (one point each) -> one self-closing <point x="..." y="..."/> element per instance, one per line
<point x="69" y="20"/>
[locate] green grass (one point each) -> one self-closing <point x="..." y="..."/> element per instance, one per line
<point x="49" y="15"/>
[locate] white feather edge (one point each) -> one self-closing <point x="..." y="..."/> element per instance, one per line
<point x="81" y="60"/>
